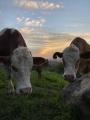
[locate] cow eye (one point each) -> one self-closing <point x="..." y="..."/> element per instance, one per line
<point x="63" y="62"/>
<point x="14" y="69"/>
<point x="77" y="64"/>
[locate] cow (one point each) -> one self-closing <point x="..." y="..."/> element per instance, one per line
<point x="71" y="57"/>
<point x="39" y="63"/>
<point x="17" y="60"/>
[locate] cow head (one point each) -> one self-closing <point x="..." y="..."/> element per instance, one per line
<point x="70" y="57"/>
<point x="21" y="64"/>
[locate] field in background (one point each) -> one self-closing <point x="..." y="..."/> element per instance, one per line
<point x="44" y="103"/>
<point x="55" y="66"/>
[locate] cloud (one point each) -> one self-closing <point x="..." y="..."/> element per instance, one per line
<point x="47" y="49"/>
<point x="36" y="4"/>
<point x="27" y="19"/>
<point x="31" y="22"/>
<point x="77" y="25"/>
<point x="35" y="22"/>
<point x="45" y="44"/>
<point x="26" y="31"/>
<point x="80" y="34"/>
<point x="19" y="19"/>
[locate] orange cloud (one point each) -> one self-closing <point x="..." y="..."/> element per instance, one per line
<point x="45" y="44"/>
<point x="48" y="50"/>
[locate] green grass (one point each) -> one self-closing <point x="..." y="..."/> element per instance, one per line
<point x="44" y="103"/>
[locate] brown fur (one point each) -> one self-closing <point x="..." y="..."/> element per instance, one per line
<point x="8" y="42"/>
<point x="83" y="46"/>
<point x="84" y="67"/>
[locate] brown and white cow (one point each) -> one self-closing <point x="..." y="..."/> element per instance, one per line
<point x="39" y="63"/>
<point x="71" y="57"/>
<point x="17" y="60"/>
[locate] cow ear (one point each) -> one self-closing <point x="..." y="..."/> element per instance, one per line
<point x="85" y="55"/>
<point x="5" y="59"/>
<point x="57" y="54"/>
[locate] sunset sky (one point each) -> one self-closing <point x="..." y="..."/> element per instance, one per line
<point x="47" y="25"/>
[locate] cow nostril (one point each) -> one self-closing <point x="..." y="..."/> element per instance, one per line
<point x="65" y="77"/>
<point x="69" y="78"/>
<point x="25" y="90"/>
<point x="72" y="77"/>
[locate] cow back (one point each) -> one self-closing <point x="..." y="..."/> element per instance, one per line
<point x="10" y="39"/>
<point x="81" y="44"/>
<point x="38" y="60"/>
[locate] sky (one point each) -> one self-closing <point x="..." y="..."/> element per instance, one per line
<point x="47" y="25"/>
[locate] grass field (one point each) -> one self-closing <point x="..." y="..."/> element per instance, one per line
<point x="44" y="103"/>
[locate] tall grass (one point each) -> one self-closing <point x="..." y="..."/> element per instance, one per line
<point x="44" y="103"/>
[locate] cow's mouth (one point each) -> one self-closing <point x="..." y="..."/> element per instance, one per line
<point x="71" y="80"/>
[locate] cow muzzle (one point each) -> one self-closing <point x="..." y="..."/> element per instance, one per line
<point x="26" y="90"/>
<point x="69" y="78"/>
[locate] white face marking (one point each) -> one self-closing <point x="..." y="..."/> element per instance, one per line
<point x="21" y="64"/>
<point x="12" y="30"/>
<point x="2" y="31"/>
<point x="70" y="56"/>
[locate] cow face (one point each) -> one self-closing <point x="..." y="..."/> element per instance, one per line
<point x="71" y="62"/>
<point x="70" y="57"/>
<point x="21" y="64"/>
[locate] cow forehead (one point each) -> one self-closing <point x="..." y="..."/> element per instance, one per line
<point x="71" y="53"/>
<point x="21" y="54"/>
<point x="21" y="51"/>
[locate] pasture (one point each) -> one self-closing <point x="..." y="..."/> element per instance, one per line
<point x="44" y="103"/>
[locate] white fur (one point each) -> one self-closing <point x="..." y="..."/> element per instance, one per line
<point x="22" y="60"/>
<point x="70" y="56"/>
<point x="12" y="30"/>
<point x="2" y="31"/>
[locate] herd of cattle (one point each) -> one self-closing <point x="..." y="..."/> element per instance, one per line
<point x="18" y="60"/>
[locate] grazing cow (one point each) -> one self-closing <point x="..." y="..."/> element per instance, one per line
<point x="17" y="60"/>
<point x="39" y="64"/>
<point x="71" y="57"/>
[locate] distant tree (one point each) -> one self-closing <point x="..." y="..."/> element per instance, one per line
<point x="60" y="68"/>
<point x="56" y="67"/>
